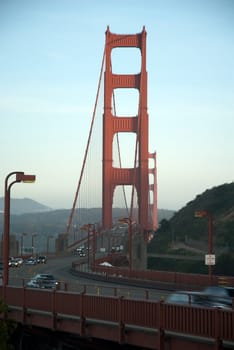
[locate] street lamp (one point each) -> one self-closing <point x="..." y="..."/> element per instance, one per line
<point x="90" y="228"/>
<point x="33" y="242"/>
<point x="22" y="243"/>
<point x="19" y="177"/>
<point x="129" y="222"/>
<point x="47" y="245"/>
<point x="210" y="258"/>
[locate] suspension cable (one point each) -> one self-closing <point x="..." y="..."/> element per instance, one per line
<point x="87" y="148"/>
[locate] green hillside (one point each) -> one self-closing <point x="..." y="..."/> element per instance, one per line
<point x="184" y="234"/>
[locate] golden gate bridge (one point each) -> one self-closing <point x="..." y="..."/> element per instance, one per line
<point x="142" y="206"/>
<point x="142" y="323"/>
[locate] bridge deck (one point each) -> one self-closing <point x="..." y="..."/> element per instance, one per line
<point x="120" y="319"/>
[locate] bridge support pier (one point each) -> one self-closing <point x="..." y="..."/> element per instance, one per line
<point x="61" y="243"/>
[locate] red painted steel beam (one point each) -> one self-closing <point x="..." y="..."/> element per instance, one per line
<point x="138" y="177"/>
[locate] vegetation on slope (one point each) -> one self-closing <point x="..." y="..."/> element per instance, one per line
<point x="184" y="228"/>
<point x="7" y="328"/>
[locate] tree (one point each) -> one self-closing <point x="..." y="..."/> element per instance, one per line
<point x="7" y="328"/>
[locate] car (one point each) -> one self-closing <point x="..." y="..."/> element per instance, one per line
<point x="30" y="261"/>
<point x="20" y="261"/>
<point x="43" y="284"/>
<point x="205" y="298"/>
<point x="185" y="298"/>
<point x="33" y="284"/>
<point x="220" y="296"/>
<point x="41" y="259"/>
<point x="43" y="280"/>
<point x="80" y="249"/>
<point x="82" y="254"/>
<point x="13" y="262"/>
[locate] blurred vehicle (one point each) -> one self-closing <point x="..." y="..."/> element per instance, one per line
<point x="80" y="249"/>
<point x="33" y="284"/>
<point x="220" y="296"/>
<point x="44" y="281"/>
<point x="30" y="261"/>
<point x="204" y="298"/>
<point x="12" y="262"/>
<point x="20" y="261"/>
<point x="41" y="259"/>
<point x="1" y="269"/>
<point x="105" y="263"/>
<point x="186" y="298"/>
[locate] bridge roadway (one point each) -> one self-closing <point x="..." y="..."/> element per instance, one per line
<point x="96" y="315"/>
<point x="61" y="269"/>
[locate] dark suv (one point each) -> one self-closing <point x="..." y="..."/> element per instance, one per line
<point x="222" y="296"/>
<point x="41" y="259"/>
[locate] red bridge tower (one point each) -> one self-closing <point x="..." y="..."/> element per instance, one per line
<point x="139" y="175"/>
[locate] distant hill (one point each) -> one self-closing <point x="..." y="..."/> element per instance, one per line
<point x="24" y="205"/>
<point x="30" y="216"/>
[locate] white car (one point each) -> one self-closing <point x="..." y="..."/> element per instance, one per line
<point x="30" y="261"/>
<point x="33" y="284"/>
<point x="43" y="280"/>
<point x="20" y="261"/>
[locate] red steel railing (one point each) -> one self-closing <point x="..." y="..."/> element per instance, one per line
<point x="78" y="312"/>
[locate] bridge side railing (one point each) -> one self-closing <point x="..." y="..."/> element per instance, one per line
<point x="25" y="303"/>
<point x="179" y="279"/>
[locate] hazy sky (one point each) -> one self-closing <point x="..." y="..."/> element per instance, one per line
<point x="50" y="60"/>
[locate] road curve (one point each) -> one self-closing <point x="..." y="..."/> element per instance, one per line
<point x="61" y="269"/>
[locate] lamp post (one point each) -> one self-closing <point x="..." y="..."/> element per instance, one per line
<point x="47" y="244"/>
<point x="33" y="242"/>
<point x="129" y="222"/>
<point x="22" y="243"/>
<point x="90" y="228"/>
<point x="19" y="177"/>
<point x="94" y="245"/>
<point x="210" y="258"/>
